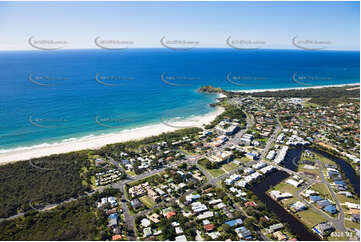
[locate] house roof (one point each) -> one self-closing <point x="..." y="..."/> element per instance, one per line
<point x="145" y="222"/>
<point x="112" y="222"/>
<point x="135" y="203"/>
<point x="116" y="237"/>
<point x="110" y="211"/>
<point x="354" y="211"/>
<point x="113" y="216"/>
<point x="170" y="214"/>
<point x="234" y="222"/>
<point x="330" y="208"/>
<point x="181" y="238"/>
<point x="279" y="235"/>
<point x="339" y="182"/>
<point x="209" y="227"/>
<point x="315" y="198"/>
<point x="322" y="227"/>
<point x="249" y="204"/>
<point x="323" y="203"/>
<point x="209" y="190"/>
<point x="276" y="226"/>
<point x="243" y="232"/>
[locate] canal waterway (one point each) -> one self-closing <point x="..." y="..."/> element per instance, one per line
<point x="291" y="162"/>
<point x="296" y="227"/>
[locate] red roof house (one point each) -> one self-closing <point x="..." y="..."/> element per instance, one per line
<point x="209" y="227"/>
<point x="250" y="204"/>
<point x="170" y="214"/>
<point x="117" y="237"/>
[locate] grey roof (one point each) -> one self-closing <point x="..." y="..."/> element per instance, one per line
<point x="322" y="227"/>
<point x="276" y="226"/>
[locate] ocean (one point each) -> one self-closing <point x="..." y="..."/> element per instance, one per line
<point x="58" y="96"/>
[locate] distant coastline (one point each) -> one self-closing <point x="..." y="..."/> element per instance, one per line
<point x="295" y="88"/>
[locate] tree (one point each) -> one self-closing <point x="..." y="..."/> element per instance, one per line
<point x="193" y="167"/>
<point x="183" y="166"/>
<point x="250" y="211"/>
<point x="209" y="165"/>
<point x="250" y="222"/>
<point x="227" y="228"/>
<point x="178" y="178"/>
<point x="220" y="193"/>
<point x="139" y="219"/>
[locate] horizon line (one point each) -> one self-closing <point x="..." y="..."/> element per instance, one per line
<point x="179" y="50"/>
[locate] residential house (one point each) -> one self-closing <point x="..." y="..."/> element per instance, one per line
<point x="323" y="229"/>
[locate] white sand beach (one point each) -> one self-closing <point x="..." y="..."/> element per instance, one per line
<point x="95" y="142"/>
<point x="296" y="88"/>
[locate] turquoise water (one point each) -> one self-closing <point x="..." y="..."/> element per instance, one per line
<point x="51" y="96"/>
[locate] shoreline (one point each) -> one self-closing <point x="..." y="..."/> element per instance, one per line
<point x="295" y="88"/>
<point x="98" y="141"/>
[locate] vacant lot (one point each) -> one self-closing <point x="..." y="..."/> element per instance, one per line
<point x="213" y="172"/>
<point x="149" y="203"/>
<point x="230" y="166"/>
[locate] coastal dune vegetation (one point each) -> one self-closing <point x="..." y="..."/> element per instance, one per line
<point x="77" y="220"/>
<point x="42" y="181"/>
<point x="321" y="96"/>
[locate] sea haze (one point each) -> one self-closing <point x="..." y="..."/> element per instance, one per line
<point x="52" y="96"/>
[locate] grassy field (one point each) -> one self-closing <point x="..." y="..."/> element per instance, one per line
<point x="350" y="224"/>
<point x="230" y="166"/>
<point x="131" y="173"/>
<point x="216" y="172"/>
<point x="285" y="187"/>
<point x="308" y="104"/>
<point x="310" y="218"/>
<point x="244" y="160"/>
<point x="344" y="199"/>
<point x="149" y="203"/>
<point x="322" y="189"/>
<point x="324" y="160"/>
<point x="213" y="172"/>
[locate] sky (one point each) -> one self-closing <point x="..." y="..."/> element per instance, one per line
<point x="271" y="25"/>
